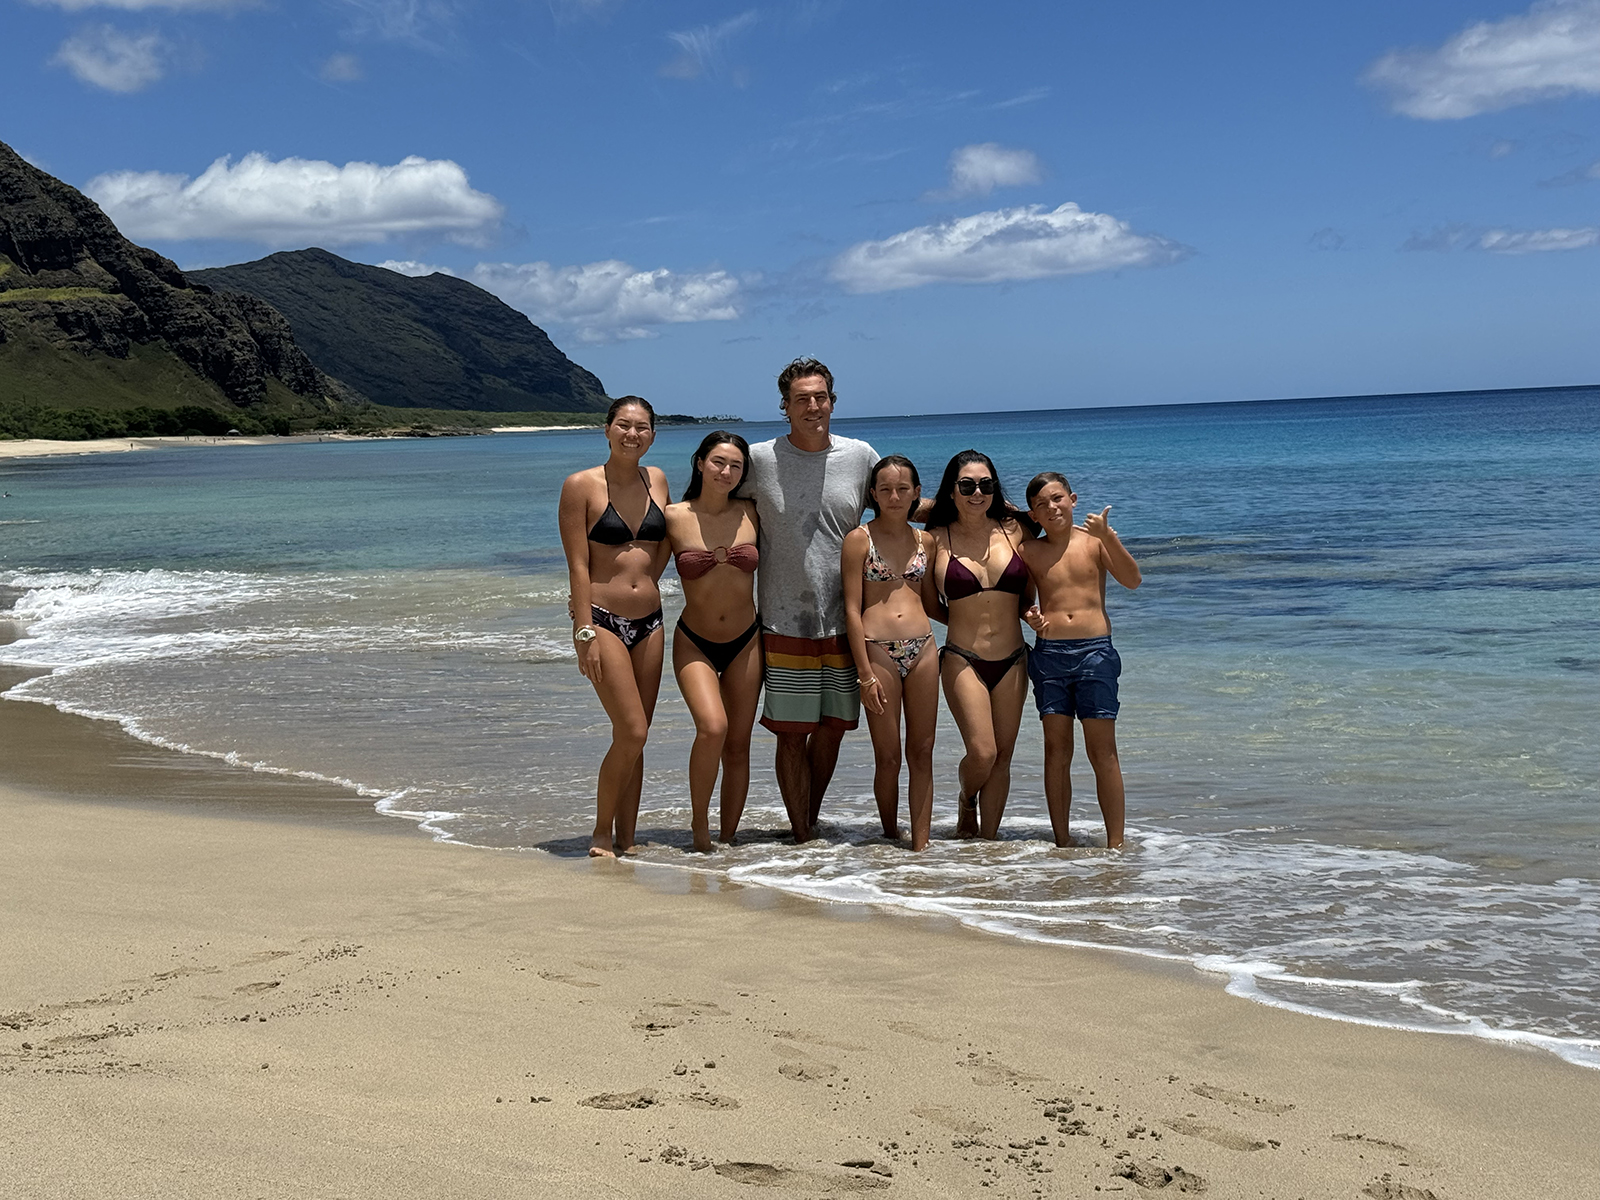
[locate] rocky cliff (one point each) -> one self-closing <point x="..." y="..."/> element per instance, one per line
<point x="429" y="342"/>
<point x="77" y="296"/>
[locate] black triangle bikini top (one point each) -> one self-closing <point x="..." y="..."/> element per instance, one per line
<point x="612" y="530"/>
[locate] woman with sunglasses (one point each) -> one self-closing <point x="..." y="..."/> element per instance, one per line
<point x="716" y="648"/>
<point x="615" y="537"/>
<point x="979" y="588"/>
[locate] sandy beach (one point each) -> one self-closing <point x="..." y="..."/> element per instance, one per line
<point x="50" y="448"/>
<point x="218" y="982"/>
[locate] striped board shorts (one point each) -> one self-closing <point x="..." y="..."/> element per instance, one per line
<point x="809" y="683"/>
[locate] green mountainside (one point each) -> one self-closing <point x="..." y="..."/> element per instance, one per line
<point x="89" y="321"/>
<point x="431" y="342"/>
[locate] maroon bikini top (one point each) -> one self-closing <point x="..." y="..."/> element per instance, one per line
<point x="694" y="563"/>
<point x="959" y="586"/>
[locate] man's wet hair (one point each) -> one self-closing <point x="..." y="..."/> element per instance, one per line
<point x="799" y="369"/>
<point x="1042" y="480"/>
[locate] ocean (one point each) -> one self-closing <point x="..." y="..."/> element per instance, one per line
<point x="1360" y="693"/>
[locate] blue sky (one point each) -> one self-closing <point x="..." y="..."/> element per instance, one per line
<point x="959" y="207"/>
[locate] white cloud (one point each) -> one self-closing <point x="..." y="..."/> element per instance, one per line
<point x="341" y="68"/>
<point x="978" y="169"/>
<point x="428" y="24"/>
<point x="1535" y="241"/>
<point x="601" y="301"/>
<point x="1551" y="50"/>
<point x="1505" y="241"/>
<point x="295" y="201"/>
<point x="1032" y="242"/>
<point x="109" y="58"/>
<point x="142" y="5"/>
<point x="1583" y="174"/>
<point x="701" y="49"/>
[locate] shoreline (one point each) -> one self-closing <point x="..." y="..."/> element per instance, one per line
<point x="208" y="960"/>
<point x="54" y="448"/>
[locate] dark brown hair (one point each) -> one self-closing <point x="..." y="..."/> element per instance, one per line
<point x="799" y="369"/>
<point x="622" y="402"/>
<point x="1044" y="478"/>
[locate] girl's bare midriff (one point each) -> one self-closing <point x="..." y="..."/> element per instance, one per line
<point x="622" y="578"/>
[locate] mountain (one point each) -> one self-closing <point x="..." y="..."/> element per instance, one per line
<point x="429" y="342"/>
<point x="89" y="319"/>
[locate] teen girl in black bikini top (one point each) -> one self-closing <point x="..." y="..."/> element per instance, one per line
<point x="612" y="530"/>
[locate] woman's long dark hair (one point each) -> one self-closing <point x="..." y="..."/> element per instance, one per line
<point x="708" y="444"/>
<point x="944" y="500"/>
<point x="891" y="460"/>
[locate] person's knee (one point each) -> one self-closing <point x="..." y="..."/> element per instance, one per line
<point x="920" y="749"/>
<point x="713" y="730"/>
<point x="981" y="757"/>
<point x="887" y="759"/>
<point x="629" y="734"/>
<point x="1102" y="754"/>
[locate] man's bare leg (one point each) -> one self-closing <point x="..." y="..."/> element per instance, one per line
<point x="793" y="767"/>
<point x="822" y="754"/>
<point x="1100" y="743"/>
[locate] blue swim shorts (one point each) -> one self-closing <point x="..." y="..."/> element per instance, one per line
<point x="1075" y="677"/>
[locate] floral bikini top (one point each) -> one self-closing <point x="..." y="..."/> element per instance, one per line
<point x="879" y="571"/>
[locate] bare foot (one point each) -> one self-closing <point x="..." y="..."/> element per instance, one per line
<point x="598" y="847"/>
<point x="892" y="832"/>
<point x="1067" y="841"/>
<point x="966" y="817"/>
<point x="702" y="837"/>
<point x="919" y="843"/>
<point x="728" y="839"/>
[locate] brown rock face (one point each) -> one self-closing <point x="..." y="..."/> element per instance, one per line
<point x="68" y="277"/>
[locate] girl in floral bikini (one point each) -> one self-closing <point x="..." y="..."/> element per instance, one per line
<point x="882" y="564"/>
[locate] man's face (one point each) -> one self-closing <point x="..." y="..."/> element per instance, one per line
<point x="1052" y="507"/>
<point x="809" y="406"/>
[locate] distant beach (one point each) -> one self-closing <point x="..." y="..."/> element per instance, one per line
<point x="50" y="448"/>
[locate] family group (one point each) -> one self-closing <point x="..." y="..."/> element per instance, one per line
<point x="786" y="591"/>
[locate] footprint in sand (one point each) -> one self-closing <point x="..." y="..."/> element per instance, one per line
<point x="255" y="989"/>
<point x="1242" y="1100"/>
<point x="807" y="1070"/>
<point x="1226" y="1138"/>
<point x="951" y="1119"/>
<point x="1387" y="1187"/>
<point x="767" y="1175"/>
<point x="1153" y="1177"/>
<point x="811" y="1039"/>
<point x="986" y="1072"/>
<point x="1368" y="1141"/>
<point x="263" y="956"/>
<point x="619" y="1101"/>
<point x="556" y="977"/>
<point x="910" y="1030"/>
<point x="705" y="1100"/>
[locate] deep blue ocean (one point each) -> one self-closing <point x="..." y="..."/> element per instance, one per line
<point x="1360" y="693"/>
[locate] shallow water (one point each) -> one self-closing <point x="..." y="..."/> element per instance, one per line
<point x="1359" y="690"/>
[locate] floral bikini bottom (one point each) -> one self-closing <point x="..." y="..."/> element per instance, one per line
<point x="903" y="652"/>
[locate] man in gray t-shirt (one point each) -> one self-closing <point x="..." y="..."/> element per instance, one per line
<point x="809" y="489"/>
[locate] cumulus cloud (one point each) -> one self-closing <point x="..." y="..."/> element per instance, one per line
<point x="341" y="68"/>
<point x="978" y="169"/>
<point x="295" y="201"/>
<point x="108" y="58"/>
<point x="1551" y="50"/>
<point x="1032" y="242"/>
<point x="600" y="301"/>
<point x="1504" y="241"/>
<point x="701" y="49"/>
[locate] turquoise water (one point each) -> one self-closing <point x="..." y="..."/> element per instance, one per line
<point x="1360" y="683"/>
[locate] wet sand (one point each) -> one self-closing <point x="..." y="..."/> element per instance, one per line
<point x="216" y="982"/>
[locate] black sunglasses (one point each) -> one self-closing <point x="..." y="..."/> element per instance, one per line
<point x="969" y="485"/>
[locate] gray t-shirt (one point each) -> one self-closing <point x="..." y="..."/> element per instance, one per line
<point x="808" y="500"/>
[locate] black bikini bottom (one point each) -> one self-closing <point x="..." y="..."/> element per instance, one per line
<point x="721" y="654"/>
<point x="629" y="630"/>
<point x="990" y="670"/>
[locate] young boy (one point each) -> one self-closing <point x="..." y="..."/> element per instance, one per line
<point x="1073" y="665"/>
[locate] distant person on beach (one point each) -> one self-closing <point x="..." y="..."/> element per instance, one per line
<point x="716" y="648"/>
<point x="883" y="565"/>
<point x="979" y="587"/>
<point x="615" y="536"/>
<point x="1073" y="665"/>
<point x="809" y="489"/>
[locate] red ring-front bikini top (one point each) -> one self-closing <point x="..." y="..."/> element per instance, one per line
<point x="694" y="563"/>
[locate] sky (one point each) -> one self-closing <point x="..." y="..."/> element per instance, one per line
<point x="958" y="207"/>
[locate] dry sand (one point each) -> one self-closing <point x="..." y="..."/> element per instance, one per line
<point x="47" y="448"/>
<point x="226" y="984"/>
